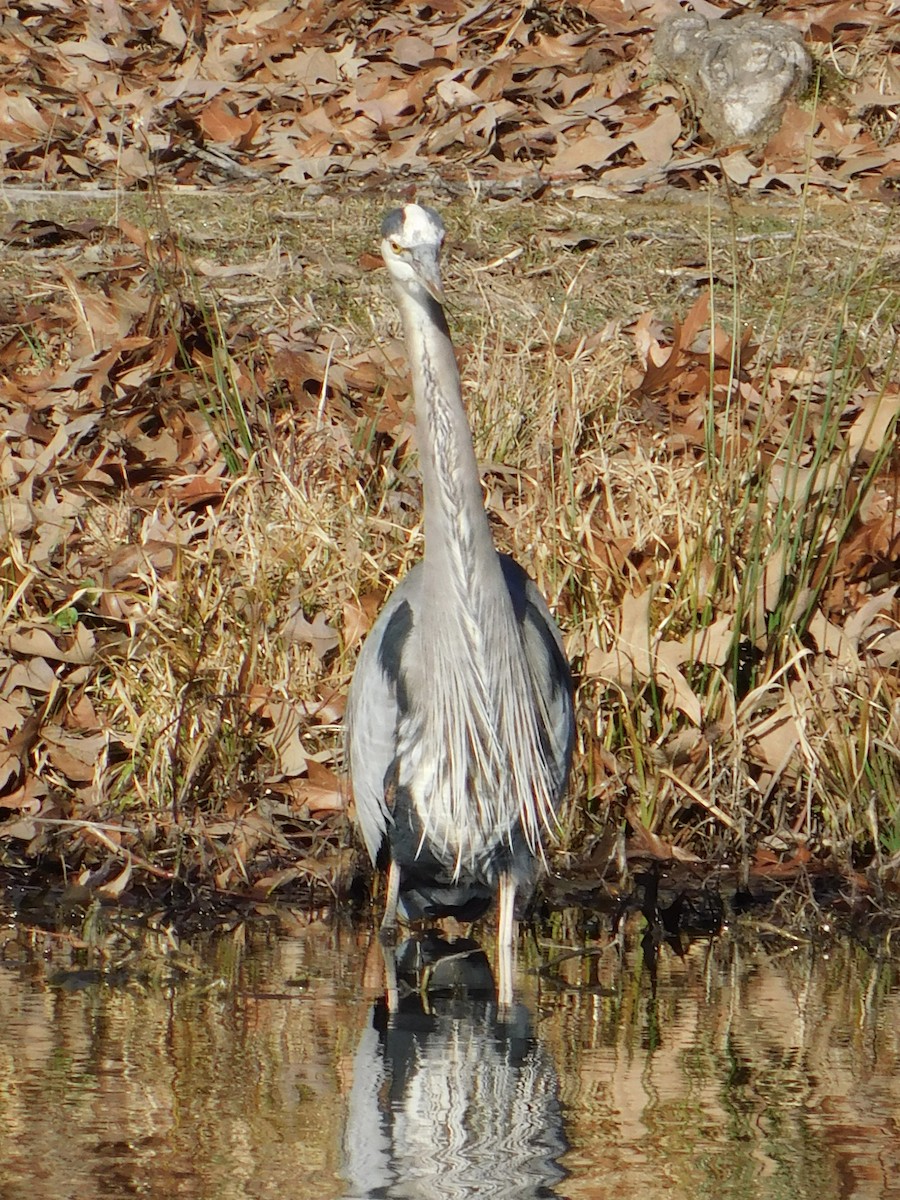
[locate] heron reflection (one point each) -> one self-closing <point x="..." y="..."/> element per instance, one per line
<point x="452" y="1095"/>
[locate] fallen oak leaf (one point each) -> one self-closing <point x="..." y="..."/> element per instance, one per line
<point x="76" y="757"/>
<point x="14" y="755"/>
<point x="872" y="427"/>
<point x="171" y="30"/>
<point x="42" y="233"/>
<point x="589" y="151"/>
<point x="266" y="884"/>
<point x="321" y="798"/>
<point x="770" y="866"/>
<point x="637" y="653"/>
<point x="646" y="844"/>
<point x="710" y="644"/>
<point x="29" y="800"/>
<point x="199" y="491"/>
<point x="23" y="829"/>
<point x="32" y="675"/>
<point x="319" y="791"/>
<point x="656" y="140"/>
<point x="667" y="658"/>
<point x="411" y="51"/>
<point x="37" y="642"/>
<point x="114" y="889"/>
<point x="12" y="708"/>
<point x="774" y="740"/>
<point x="358" y="618"/>
<point x="286" y="735"/>
<point x="316" y="633"/>
<point x="456" y="94"/>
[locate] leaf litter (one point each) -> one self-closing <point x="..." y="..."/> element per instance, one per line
<point x="545" y="94"/>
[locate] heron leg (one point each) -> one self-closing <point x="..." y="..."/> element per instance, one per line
<point x="389" y="920"/>
<point x="506" y="931"/>
<point x="392" y="989"/>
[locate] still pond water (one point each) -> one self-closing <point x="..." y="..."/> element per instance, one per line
<point x="263" y="1063"/>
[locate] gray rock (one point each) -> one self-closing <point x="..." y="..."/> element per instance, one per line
<point x="738" y="75"/>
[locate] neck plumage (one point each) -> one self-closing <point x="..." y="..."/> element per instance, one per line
<point x="460" y="558"/>
<point x="489" y="773"/>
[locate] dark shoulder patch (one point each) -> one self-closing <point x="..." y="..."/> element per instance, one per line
<point x="517" y="582"/>
<point x="560" y="676"/>
<point x="390" y="652"/>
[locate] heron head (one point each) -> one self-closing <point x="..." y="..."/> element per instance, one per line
<point x="411" y="239"/>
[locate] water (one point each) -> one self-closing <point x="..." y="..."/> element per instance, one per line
<point x="265" y="1063"/>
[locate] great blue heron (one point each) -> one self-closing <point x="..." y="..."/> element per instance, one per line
<point x="460" y="721"/>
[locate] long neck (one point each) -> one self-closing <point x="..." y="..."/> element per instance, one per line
<point x="485" y="770"/>
<point x="460" y="557"/>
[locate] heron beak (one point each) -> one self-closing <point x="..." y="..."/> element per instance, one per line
<point x="429" y="274"/>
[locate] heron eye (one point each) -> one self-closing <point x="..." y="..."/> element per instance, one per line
<point x="395" y="246"/>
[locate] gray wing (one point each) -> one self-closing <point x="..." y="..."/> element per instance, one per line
<point x="376" y="700"/>
<point x="550" y="675"/>
<point x="389" y="664"/>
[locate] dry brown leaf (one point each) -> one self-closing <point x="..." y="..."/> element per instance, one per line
<point x="266" y="884"/>
<point x="630" y="655"/>
<point x="80" y="759"/>
<point x="172" y="30"/>
<point x="357" y="620"/>
<point x="36" y="642"/>
<point x="14" y="756"/>
<point x="656" y="140"/>
<point x="589" y="151"/>
<point x="644" y="843"/>
<point x="286" y="736"/>
<point x="667" y="658"/>
<point x="774" y="740"/>
<point x="860" y="623"/>
<point x="316" y="633"/>
<point x="114" y="889"/>
<point x="638" y="655"/>
<point x="710" y="645"/>
<point x="876" y="419"/>
<point x="29" y="800"/>
<point x="321" y="791"/>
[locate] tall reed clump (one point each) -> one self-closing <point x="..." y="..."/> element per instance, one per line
<point x="756" y="695"/>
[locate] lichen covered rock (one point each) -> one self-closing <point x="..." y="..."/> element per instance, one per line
<point x="737" y="74"/>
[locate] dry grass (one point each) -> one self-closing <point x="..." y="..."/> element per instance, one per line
<point x="211" y="692"/>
